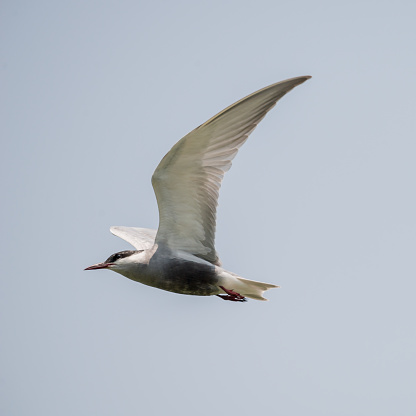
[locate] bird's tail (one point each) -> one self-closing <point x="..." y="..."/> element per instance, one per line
<point x="248" y="288"/>
<point x="253" y="289"/>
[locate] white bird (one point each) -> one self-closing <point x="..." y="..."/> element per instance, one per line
<point x="180" y="256"/>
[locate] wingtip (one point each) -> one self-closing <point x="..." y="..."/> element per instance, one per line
<point x="304" y="78"/>
<point x="290" y="83"/>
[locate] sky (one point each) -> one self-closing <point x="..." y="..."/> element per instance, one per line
<point x="320" y="200"/>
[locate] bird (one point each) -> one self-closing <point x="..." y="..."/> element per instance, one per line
<point x="180" y="256"/>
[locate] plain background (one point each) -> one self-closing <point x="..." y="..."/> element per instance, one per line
<point x="320" y="200"/>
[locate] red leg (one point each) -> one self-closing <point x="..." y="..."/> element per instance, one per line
<point x="231" y="295"/>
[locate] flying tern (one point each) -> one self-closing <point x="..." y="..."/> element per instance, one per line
<point x="180" y="256"/>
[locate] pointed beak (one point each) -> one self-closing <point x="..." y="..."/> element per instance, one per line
<point x="99" y="266"/>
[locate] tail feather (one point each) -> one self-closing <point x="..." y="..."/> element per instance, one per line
<point x="248" y="288"/>
<point x="253" y="289"/>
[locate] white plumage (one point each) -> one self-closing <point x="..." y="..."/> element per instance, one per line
<point x="181" y="256"/>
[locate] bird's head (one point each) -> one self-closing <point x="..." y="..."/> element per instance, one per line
<point x="121" y="261"/>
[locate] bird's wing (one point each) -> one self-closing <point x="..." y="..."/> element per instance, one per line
<point x="188" y="179"/>
<point x="139" y="238"/>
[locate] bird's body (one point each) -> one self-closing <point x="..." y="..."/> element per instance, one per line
<point x="180" y="256"/>
<point x="177" y="272"/>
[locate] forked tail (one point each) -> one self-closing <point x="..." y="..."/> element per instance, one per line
<point x="248" y="288"/>
<point x="254" y="290"/>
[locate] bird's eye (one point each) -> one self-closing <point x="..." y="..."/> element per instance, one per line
<point x="121" y="255"/>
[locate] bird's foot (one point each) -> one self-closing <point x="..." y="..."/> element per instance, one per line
<point x="231" y="295"/>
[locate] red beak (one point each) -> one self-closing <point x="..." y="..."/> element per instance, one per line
<point x="99" y="266"/>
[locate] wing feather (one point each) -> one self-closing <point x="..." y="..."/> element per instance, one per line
<point x="139" y="238"/>
<point x="188" y="179"/>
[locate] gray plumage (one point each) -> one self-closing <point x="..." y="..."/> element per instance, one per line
<point x="181" y="257"/>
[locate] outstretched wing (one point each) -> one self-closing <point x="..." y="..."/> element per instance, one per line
<point x="139" y="238"/>
<point x="188" y="178"/>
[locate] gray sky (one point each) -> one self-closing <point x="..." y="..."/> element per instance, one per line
<point x="320" y="200"/>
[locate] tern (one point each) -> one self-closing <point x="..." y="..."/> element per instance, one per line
<point x="180" y="256"/>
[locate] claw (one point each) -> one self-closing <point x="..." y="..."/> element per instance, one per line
<point x="232" y="295"/>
